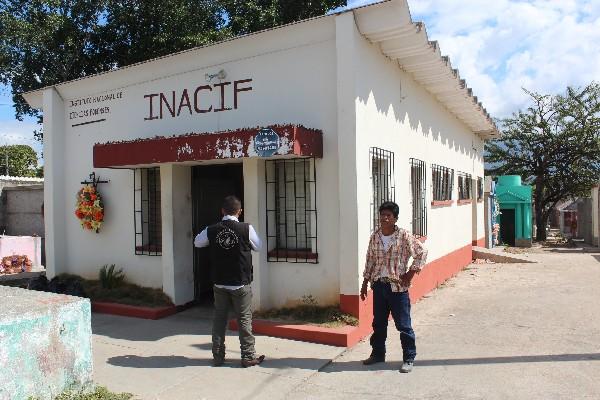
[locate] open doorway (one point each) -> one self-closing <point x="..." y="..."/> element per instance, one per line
<point x="507" y="226"/>
<point x="210" y="185"/>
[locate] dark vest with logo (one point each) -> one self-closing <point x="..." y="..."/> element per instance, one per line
<point x="230" y="253"/>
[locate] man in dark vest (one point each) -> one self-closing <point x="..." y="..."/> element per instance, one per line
<point x="230" y="243"/>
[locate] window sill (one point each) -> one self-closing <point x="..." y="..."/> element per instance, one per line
<point x="148" y="248"/>
<point x="465" y="201"/>
<point x="441" y="203"/>
<point x="422" y="239"/>
<point x="480" y="200"/>
<point x="293" y="253"/>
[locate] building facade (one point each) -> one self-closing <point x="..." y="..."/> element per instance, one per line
<point x="312" y="124"/>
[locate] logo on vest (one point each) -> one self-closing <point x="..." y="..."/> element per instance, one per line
<point x="227" y="239"/>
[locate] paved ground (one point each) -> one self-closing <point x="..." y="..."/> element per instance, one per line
<point x="497" y="331"/>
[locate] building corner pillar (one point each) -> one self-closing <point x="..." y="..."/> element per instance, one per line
<point x="177" y="237"/>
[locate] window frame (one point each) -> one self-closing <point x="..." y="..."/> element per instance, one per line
<point x="381" y="193"/>
<point x="147" y="212"/>
<point x="480" y="188"/>
<point x="418" y="172"/>
<point x="278" y="246"/>
<point x="445" y="178"/>
<point x="467" y="187"/>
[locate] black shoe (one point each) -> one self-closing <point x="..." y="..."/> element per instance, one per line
<point x="218" y="361"/>
<point x="253" y="362"/>
<point x="373" y="360"/>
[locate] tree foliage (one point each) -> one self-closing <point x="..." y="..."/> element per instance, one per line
<point x="45" y="42"/>
<point x="554" y="145"/>
<point x="21" y="159"/>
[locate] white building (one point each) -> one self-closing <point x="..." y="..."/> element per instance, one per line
<point x="386" y="117"/>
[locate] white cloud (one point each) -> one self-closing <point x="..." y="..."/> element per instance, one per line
<point x="505" y="45"/>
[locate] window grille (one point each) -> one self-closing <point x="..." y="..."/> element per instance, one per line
<point x="479" y="188"/>
<point x="464" y="186"/>
<point x="443" y="182"/>
<point x="291" y="210"/>
<point x="418" y="183"/>
<point x="146" y="197"/>
<point x="382" y="181"/>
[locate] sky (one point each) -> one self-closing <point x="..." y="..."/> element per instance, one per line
<point x="499" y="47"/>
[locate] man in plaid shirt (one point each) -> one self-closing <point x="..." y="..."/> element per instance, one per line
<point x="390" y="249"/>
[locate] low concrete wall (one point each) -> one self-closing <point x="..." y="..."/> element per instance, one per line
<point x="21" y="210"/>
<point x="45" y="344"/>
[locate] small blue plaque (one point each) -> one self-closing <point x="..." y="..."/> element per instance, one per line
<point x="266" y="142"/>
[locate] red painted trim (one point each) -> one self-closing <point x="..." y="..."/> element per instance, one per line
<point x="479" y="242"/>
<point x="422" y="239"/>
<point x="441" y="203"/>
<point x="133" y="311"/>
<point x="295" y="140"/>
<point x="289" y="253"/>
<point x="465" y="201"/>
<point x="434" y="274"/>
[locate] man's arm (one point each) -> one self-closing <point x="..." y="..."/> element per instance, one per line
<point x="419" y="254"/>
<point x="368" y="272"/>
<point x="201" y="239"/>
<point x="254" y="239"/>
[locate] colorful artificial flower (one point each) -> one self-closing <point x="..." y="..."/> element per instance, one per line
<point x="90" y="209"/>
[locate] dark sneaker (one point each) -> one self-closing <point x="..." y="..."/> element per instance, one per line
<point x="373" y="360"/>
<point x="407" y="366"/>
<point x="253" y="362"/>
<point x="217" y="361"/>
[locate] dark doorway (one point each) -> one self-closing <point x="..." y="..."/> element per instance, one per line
<point x="507" y="226"/>
<point x="210" y="185"/>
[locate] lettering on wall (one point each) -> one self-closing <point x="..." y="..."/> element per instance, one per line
<point x="91" y="109"/>
<point x="222" y="96"/>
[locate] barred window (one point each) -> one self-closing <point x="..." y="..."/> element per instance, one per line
<point x="443" y="182"/>
<point x="464" y="186"/>
<point x="479" y="188"/>
<point x="148" y="227"/>
<point x="382" y="181"/>
<point x="419" y="209"/>
<point x="291" y="210"/>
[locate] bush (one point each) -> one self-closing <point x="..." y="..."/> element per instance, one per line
<point x="109" y="278"/>
<point x="310" y="311"/>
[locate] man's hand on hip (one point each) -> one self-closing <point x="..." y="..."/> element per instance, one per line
<point x="363" y="290"/>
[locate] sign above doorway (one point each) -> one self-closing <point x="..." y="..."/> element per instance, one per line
<point x="275" y="140"/>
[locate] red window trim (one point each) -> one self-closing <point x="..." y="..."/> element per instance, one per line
<point x="465" y="201"/>
<point x="422" y="239"/>
<point x="150" y="248"/>
<point x="293" y="253"/>
<point x="441" y="203"/>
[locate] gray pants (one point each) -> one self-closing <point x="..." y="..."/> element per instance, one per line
<point x="241" y="302"/>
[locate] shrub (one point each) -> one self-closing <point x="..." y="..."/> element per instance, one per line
<point x="109" y="278"/>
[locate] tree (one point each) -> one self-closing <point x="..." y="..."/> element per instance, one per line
<point x="254" y="15"/>
<point x="553" y="145"/>
<point x="45" y="42"/>
<point x="18" y="160"/>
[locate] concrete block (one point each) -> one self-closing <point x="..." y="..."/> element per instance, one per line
<point x="45" y="344"/>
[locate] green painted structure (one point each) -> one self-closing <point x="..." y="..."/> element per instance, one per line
<point x="516" y="215"/>
<point x="45" y="344"/>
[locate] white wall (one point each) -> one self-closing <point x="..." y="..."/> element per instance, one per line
<point x="396" y="114"/>
<point x="293" y="81"/>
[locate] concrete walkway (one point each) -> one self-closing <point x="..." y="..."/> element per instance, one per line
<point x="497" y="331"/>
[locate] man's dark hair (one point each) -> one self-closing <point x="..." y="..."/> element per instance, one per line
<point x="231" y="205"/>
<point x="390" y="206"/>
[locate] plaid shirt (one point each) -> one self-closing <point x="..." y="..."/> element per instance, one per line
<point x="395" y="260"/>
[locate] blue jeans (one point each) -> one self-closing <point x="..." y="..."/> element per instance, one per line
<point x="398" y="303"/>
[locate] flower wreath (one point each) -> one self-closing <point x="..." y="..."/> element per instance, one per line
<point x="90" y="210"/>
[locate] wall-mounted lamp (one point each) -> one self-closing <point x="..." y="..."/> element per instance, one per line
<point x="220" y="75"/>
